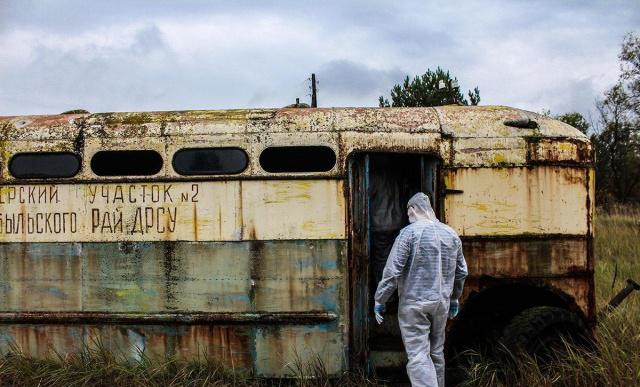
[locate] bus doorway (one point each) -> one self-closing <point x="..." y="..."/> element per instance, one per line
<point x="380" y="185"/>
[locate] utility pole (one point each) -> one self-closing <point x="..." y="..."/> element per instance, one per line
<point x="314" y="97"/>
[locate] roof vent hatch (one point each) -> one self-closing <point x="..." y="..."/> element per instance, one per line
<point x="521" y="122"/>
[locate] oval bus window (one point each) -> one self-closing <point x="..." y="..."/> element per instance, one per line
<point x="279" y="159"/>
<point x="210" y="161"/>
<point x="45" y="165"/>
<point x="126" y="163"/>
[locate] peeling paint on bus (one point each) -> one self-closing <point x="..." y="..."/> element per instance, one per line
<point x="256" y="267"/>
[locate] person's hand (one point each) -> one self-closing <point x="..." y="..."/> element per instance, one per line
<point x="378" y="310"/>
<point x="454" y="308"/>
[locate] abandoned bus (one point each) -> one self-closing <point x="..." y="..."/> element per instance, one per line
<point x="245" y="235"/>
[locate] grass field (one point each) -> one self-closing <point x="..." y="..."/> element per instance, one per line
<point x="616" y="362"/>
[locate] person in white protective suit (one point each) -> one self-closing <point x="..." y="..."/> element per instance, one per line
<point x="428" y="268"/>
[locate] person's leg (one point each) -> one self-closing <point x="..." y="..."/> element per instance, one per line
<point x="438" y="319"/>
<point x="414" y="326"/>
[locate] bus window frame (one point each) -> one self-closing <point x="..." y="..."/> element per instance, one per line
<point x="78" y="170"/>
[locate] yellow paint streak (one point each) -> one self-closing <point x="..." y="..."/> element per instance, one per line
<point x="513" y="201"/>
<point x="478" y="206"/>
<point x="566" y="147"/>
<point x="499" y="158"/>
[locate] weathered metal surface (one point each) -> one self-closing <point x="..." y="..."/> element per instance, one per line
<point x="578" y="289"/>
<point x="186" y="318"/>
<point x="518" y="201"/>
<point x="241" y="277"/>
<point x="196" y="211"/>
<point x="150" y="124"/>
<point x="353" y="142"/>
<point x="558" y="151"/>
<point x="272" y="261"/>
<point x="461" y="136"/>
<point x="461" y="121"/>
<point x="488" y="122"/>
<point x="261" y="350"/>
<point x="281" y="283"/>
<point x="489" y="152"/>
<point x="359" y="268"/>
<point x="581" y="288"/>
<point x="278" y="348"/>
<point x="526" y="257"/>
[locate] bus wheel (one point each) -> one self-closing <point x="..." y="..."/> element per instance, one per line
<point x="542" y="330"/>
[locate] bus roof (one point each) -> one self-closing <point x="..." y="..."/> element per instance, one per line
<point x="454" y="121"/>
<point x="461" y="136"/>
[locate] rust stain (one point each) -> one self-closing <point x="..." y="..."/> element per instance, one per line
<point x="195" y="222"/>
<point x="523" y="257"/>
<point x="231" y="346"/>
<point x="563" y="151"/>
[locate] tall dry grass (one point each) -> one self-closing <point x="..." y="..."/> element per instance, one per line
<point x="616" y="359"/>
<point x="98" y="367"/>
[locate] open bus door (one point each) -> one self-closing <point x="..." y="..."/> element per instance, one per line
<point x="395" y="177"/>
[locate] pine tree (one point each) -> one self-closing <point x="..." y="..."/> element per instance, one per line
<point x="433" y="88"/>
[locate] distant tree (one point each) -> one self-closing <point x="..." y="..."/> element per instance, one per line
<point x="576" y="120"/>
<point x="617" y="147"/>
<point x="630" y="77"/>
<point x="428" y="90"/>
<point x="617" y="139"/>
<point x="76" y="111"/>
<point x="546" y="112"/>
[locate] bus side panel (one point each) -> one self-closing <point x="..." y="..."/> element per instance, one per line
<point x="543" y="200"/>
<point x="231" y="210"/>
<point x="526" y="256"/>
<point x="251" y="272"/>
<point x="526" y="224"/>
<point x="153" y="277"/>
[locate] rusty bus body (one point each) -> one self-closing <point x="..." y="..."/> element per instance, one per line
<point x="256" y="268"/>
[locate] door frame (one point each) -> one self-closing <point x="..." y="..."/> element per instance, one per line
<point x="359" y="247"/>
<point x="359" y="244"/>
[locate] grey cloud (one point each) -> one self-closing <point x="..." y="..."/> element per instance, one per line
<point x="359" y="49"/>
<point x="87" y="76"/>
<point x="260" y="98"/>
<point x="345" y="78"/>
<point x="580" y="97"/>
<point x="148" y="40"/>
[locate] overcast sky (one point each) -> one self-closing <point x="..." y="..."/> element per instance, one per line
<point x="176" y="55"/>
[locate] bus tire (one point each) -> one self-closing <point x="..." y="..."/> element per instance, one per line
<point x="539" y="331"/>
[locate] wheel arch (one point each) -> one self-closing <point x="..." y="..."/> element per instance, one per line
<point x="486" y="312"/>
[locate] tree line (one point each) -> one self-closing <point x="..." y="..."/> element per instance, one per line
<point x="615" y="134"/>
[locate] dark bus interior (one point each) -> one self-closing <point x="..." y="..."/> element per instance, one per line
<point x="381" y="185"/>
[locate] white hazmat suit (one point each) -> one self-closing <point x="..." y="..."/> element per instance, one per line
<point x="428" y="268"/>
